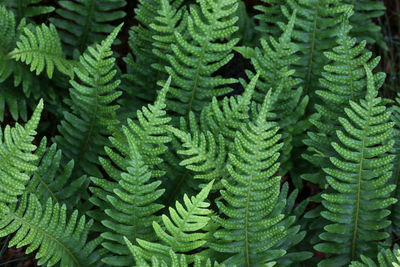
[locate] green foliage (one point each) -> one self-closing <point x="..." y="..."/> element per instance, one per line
<point x="386" y="258"/>
<point x="360" y="191"/>
<point x="42" y="49"/>
<point x="343" y="80"/>
<point x="204" y="133"/>
<point x="316" y="26"/>
<point x="92" y="110"/>
<point x="182" y="231"/>
<point x="192" y="64"/>
<point x="27" y="8"/>
<point x="249" y="225"/>
<point x="129" y="203"/>
<point x="48" y="231"/>
<point x="50" y="180"/>
<point x="16" y="158"/>
<point x="86" y="21"/>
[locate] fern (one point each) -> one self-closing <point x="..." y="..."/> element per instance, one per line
<point x="269" y="18"/>
<point x="249" y="227"/>
<point x="315" y="29"/>
<point x="357" y="204"/>
<point x="273" y="63"/>
<point x="42" y="49"/>
<point x="16" y="158"/>
<point x="50" y="180"/>
<point x="363" y="21"/>
<point x="83" y="129"/>
<point x="175" y="260"/>
<point x="343" y="80"/>
<point x="193" y="64"/>
<point x="132" y="198"/>
<point x="149" y="42"/>
<point x="182" y="231"/>
<point x="47" y="230"/>
<point x="27" y="8"/>
<point x="86" y="21"/>
<point x="386" y="258"/>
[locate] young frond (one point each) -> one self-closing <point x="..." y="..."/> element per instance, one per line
<point x="85" y="22"/>
<point x="182" y="232"/>
<point x="17" y="158"/>
<point x="42" y="49"/>
<point x="55" y="236"/>
<point x="83" y="129"/>
<point x="249" y="227"/>
<point x="129" y="202"/>
<point x="193" y="64"/>
<point x="358" y="203"/>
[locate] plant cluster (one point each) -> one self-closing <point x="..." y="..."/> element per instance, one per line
<point x="161" y="157"/>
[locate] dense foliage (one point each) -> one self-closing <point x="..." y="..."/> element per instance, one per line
<point x="216" y="134"/>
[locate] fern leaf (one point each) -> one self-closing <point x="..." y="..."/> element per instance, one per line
<point x="193" y="64"/>
<point x="357" y="205"/>
<point x="50" y="180"/>
<point x="248" y="227"/>
<point x="16" y="158"/>
<point x="182" y="231"/>
<point x="82" y="130"/>
<point x="176" y="260"/>
<point x="42" y="49"/>
<point x="27" y="8"/>
<point x="85" y="22"/>
<point x="132" y="204"/>
<point x="49" y="232"/>
<point x="342" y="81"/>
<point x="386" y="258"/>
<point x="314" y="32"/>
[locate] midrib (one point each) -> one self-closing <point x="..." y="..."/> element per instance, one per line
<point x="246" y="223"/>
<point x="86" y="29"/>
<point x="353" y="242"/>
<point x="312" y="49"/>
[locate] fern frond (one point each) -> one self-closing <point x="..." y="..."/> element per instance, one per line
<point x="176" y="260"/>
<point x="132" y="204"/>
<point x="269" y="18"/>
<point x="342" y="81"/>
<point x="363" y="21"/>
<point x="360" y="197"/>
<point x="48" y="231"/>
<point x="82" y="130"/>
<point x="85" y="22"/>
<point x="42" y="49"/>
<point x="314" y="32"/>
<point x="274" y="63"/>
<point x="182" y="232"/>
<point x="16" y="158"/>
<point x="192" y="64"/>
<point x="249" y="228"/>
<point x="51" y="180"/>
<point x="386" y="258"/>
<point x="27" y="8"/>
<point x="203" y="154"/>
